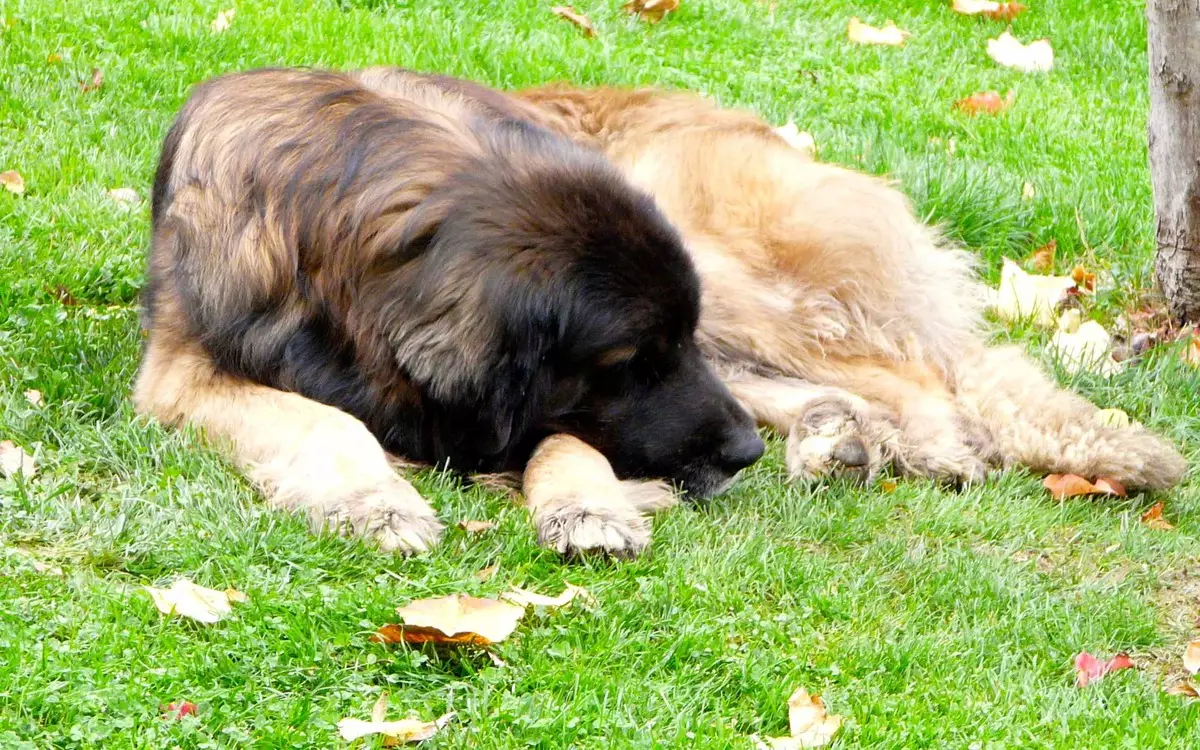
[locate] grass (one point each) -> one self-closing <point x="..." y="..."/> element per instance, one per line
<point x="929" y="618"/>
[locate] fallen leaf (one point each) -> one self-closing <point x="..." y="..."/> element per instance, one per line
<point x="1190" y="353"/>
<point x="1083" y="346"/>
<point x="888" y="485"/>
<point x="861" y="33"/>
<point x="525" y="598"/>
<point x="223" y="21"/>
<point x="126" y="198"/>
<point x="1025" y="296"/>
<point x="575" y="17"/>
<point x="453" y="620"/>
<point x="53" y="58"/>
<point x="797" y="138"/>
<point x="1033" y="57"/>
<point x="1186" y="688"/>
<point x="985" y="102"/>
<point x="1089" y="669"/>
<point x="651" y="11"/>
<point x="1084" y="279"/>
<point x="97" y="80"/>
<point x="993" y="10"/>
<point x="486" y="574"/>
<point x="1072" y="485"/>
<point x="476" y="527"/>
<point x="236" y="596"/>
<point x="12" y="181"/>
<point x="1153" y="518"/>
<point x="14" y="460"/>
<point x="1028" y="191"/>
<point x="1115" y="418"/>
<point x="1042" y="259"/>
<point x="34" y="397"/>
<point x="394" y="732"/>
<point x="50" y="570"/>
<point x="808" y="723"/>
<point x="186" y="599"/>
<point x="1191" y="657"/>
<point x="176" y="711"/>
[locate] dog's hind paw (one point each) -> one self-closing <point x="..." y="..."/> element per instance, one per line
<point x="573" y="529"/>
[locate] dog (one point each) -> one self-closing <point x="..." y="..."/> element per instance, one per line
<point x="834" y="315"/>
<point x="347" y="266"/>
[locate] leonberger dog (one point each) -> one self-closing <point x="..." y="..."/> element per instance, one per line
<point x="350" y="265"/>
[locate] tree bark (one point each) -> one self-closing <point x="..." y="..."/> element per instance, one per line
<point x="1175" y="151"/>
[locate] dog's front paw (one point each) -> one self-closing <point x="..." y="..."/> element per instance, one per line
<point x="575" y="528"/>
<point x="392" y="514"/>
<point x="834" y="437"/>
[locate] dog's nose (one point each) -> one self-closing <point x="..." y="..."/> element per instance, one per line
<point x="742" y="451"/>
<point x="851" y="452"/>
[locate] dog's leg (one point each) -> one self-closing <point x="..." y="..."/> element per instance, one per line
<point x="304" y="455"/>
<point x="579" y="506"/>
<point x="830" y="431"/>
<point x="1048" y="429"/>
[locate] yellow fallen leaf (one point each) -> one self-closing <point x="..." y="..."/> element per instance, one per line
<point x="797" y="138"/>
<point x="234" y="595"/>
<point x="1112" y="418"/>
<point x="223" y="21"/>
<point x="989" y="8"/>
<point x="1028" y="191"/>
<point x="34" y="397"/>
<point x="476" y="527"/>
<point x="1025" y="296"/>
<point x="651" y="11"/>
<point x="582" y="22"/>
<point x="861" y="33"/>
<point x="454" y="620"/>
<point x="15" y="460"/>
<point x="186" y="599"/>
<point x="12" y="181"/>
<point x="524" y="598"/>
<point x="1191" y="657"/>
<point x="394" y="732"/>
<point x="808" y="722"/>
<point x="1029" y="58"/>
<point x="1083" y="346"/>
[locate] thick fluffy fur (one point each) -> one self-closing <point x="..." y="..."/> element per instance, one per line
<point x="344" y="265"/>
<point x="834" y="314"/>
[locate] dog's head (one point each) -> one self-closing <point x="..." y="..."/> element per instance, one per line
<point x="550" y="296"/>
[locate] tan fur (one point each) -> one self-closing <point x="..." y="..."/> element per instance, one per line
<point x="817" y="277"/>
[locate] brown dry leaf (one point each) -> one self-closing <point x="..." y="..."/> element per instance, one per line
<point x="1033" y="57"/>
<point x="985" y="102"/>
<point x="1042" y="259"/>
<point x="453" y="620"/>
<point x="486" y="574"/>
<point x="809" y="724"/>
<point x="223" y="21"/>
<point x="861" y="33"/>
<point x="15" y="460"/>
<point x="34" y="397"/>
<point x="1186" y="688"/>
<point x="94" y="84"/>
<point x="1073" y="485"/>
<point x="198" y="603"/>
<point x="1191" y="351"/>
<point x="1084" y="279"/>
<point x="989" y="8"/>
<point x="1191" y="657"/>
<point x="525" y="598"/>
<point x="1153" y="518"/>
<point x="568" y="13"/>
<point x="650" y="11"/>
<point x="12" y="181"/>
<point x="476" y="527"/>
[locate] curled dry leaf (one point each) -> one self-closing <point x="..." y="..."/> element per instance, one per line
<point x="1084" y="279"/>
<point x="95" y="81"/>
<point x="186" y="599"/>
<point x="223" y="21"/>
<point x="1191" y="658"/>
<point x="797" y="138"/>
<point x="34" y="396"/>
<point x="393" y="732"/>
<point x="809" y="724"/>
<point x="1072" y="485"/>
<point x="476" y="527"/>
<point x="1025" y="296"/>
<point x="524" y="598"/>
<point x="1186" y="688"/>
<point x="1033" y="57"/>
<point x="456" y="619"/>
<point x="985" y="102"/>
<point x="1089" y="669"/>
<point x="16" y="460"/>
<point x="651" y="11"/>
<point x="989" y="8"/>
<point x="1083" y="346"/>
<point x="568" y="13"/>
<point x="126" y="198"/>
<point x="861" y="33"/>
<point x="1042" y="259"/>
<point x="1153" y="518"/>
<point x="12" y="181"/>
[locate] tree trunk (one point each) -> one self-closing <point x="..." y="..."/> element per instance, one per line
<point x="1175" y="150"/>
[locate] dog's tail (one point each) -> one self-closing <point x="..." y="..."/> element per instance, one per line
<point x="1048" y="429"/>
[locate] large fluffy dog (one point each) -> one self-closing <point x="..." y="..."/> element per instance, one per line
<point x="833" y="314"/>
<point x="347" y="264"/>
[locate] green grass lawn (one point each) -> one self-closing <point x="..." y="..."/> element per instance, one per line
<point x="928" y="618"/>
